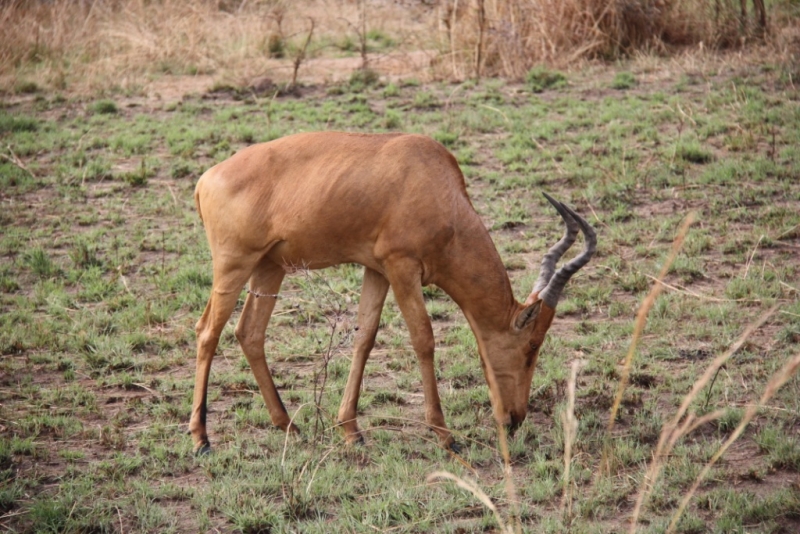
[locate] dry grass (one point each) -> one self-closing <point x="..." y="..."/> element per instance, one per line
<point x="522" y="34"/>
<point x="102" y="44"/>
<point x="775" y="383"/>
<point x="679" y="426"/>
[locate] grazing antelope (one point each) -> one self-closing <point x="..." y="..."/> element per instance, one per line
<point x="396" y="204"/>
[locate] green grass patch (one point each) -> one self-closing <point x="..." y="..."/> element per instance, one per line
<point x="541" y="78"/>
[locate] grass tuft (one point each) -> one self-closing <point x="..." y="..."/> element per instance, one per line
<point x="14" y="124"/>
<point x="623" y="80"/>
<point x="104" y="107"/>
<point x="541" y="78"/>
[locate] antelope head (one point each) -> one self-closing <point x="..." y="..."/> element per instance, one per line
<point x="513" y="353"/>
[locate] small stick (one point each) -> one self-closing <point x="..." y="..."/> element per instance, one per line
<point x="788" y="231"/>
<point x="595" y="214"/>
<point x="750" y="260"/>
<point x="681" y="289"/>
<point x="171" y="192"/>
<point x="14" y="160"/>
<point x="570" y="432"/>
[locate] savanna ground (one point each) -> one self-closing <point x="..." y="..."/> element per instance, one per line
<point x="104" y="269"/>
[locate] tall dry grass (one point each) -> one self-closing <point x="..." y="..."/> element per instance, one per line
<point x="64" y="41"/>
<point x="513" y="36"/>
<point x="101" y="43"/>
<point x="68" y="43"/>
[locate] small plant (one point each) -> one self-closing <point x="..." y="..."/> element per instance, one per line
<point x="391" y="119"/>
<point x="139" y="177"/>
<point x="180" y="169"/>
<point x="84" y="254"/>
<point x="40" y="263"/>
<point x="380" y="39"/>
<point x="301" y="54"/>
<point x="540" y="78"/>
<point x="391" y="90"/>
<point x="424" y="99"/>
<point x="694" y="153"/>
<point x="624" y="80"/>
<point x="362" y="78"/>
<point x="14" y="123"/>
<point x="104" y="107"/>
<point x="7" y="283"/>
<point x="447" y="138"/>
<point x="26" y="87"/>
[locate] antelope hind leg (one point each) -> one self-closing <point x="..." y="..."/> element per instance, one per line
<point x="250" y="331"/>
<point x="218" y="311"/>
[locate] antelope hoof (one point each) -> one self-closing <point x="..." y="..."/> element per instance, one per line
<point x="204" y="449"/>
<point x="351" y="437"/>
<point x="295" y="432"/>
<point x="355" y="440"/>
<point x="291" y="428"/>
<point x="450" y="444"/>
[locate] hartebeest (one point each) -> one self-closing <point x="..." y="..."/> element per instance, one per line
<point x="396" y="204"/>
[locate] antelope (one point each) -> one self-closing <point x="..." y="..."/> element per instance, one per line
<point x="398" y="205"/>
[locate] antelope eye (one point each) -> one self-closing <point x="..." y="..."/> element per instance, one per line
<point x="531" y="353"/>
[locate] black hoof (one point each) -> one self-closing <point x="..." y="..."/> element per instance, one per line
<point x="456" y="447"/>
<point x="203" y="450"/>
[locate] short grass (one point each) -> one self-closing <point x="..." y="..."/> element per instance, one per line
<point x="104" y="270"/>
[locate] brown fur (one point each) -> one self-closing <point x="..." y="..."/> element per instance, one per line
<point x="394" y="203"/>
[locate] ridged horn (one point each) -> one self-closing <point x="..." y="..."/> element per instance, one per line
<point x="554" y="254"/>
<point x="555" y="285"/>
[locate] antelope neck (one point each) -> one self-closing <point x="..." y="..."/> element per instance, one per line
<point x="477" y="281"/>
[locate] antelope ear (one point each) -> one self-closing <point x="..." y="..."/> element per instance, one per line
<point x="528" y="315"/>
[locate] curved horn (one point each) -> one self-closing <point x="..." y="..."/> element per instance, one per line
<point x="554" y="254"/>
<point x="552" y="292"/>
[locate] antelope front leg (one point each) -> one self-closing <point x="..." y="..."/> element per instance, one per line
<point x="405" y="279"/>
<point x="373" y="294"/>
<point x="264" y="283"/>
